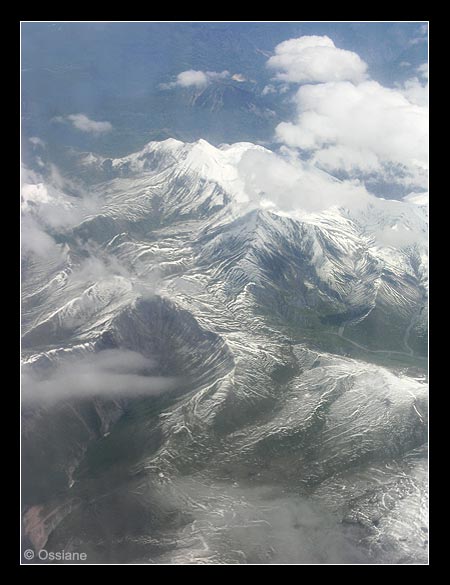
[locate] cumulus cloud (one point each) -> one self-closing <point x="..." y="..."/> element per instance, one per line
<point x="287" y="183"/>
<point x="348" y="124"/>
<point x="198" y="79"/>
<point x="315" y="59"/>
<point x="115" y="373"/>
<point x="416" y="91"/>
<point x="191" y="77"/>
<point x="85" y="124"/>
<point x="362" y="128"/>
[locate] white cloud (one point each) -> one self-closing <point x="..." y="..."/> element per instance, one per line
<point x="191" y="77"/>
<point x="84" y="124"/>
<point x="312" y="59"/>
<point x="415" y="91"/>
<point x="35" y="141"/>
<point x="199" y="79"/>
<point x="290" y="184"/>
<point x="53" y="208"/>
<point x="362" y="128"/>
<point x="286" y="184"/>
<point x="35" y="240"/>
<point x="280" y="88"/>
<point x="348" y="124"/>
<point x="113" y="373"/>
<point x="395" y="236"/>
<point x="423" y="70"/>
<point x="417" y="198"/>
<point x="46" y="207"/>
<point x="268" y="89"/>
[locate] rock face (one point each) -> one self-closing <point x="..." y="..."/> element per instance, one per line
<point x="294" y="343"/>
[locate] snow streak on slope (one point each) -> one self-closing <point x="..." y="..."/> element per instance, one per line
<point x="296" y="340"/>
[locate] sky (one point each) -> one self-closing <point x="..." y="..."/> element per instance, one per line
<point x="351" y="98"/>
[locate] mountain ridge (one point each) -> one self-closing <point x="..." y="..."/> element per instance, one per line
<point x="178" y="254"/>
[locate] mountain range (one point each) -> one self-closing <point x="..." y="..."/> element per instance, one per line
<point x="225" y="356"/>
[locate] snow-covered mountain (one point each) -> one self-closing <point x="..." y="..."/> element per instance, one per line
<point x="289" y="308"/>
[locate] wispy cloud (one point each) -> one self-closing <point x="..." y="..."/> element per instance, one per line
<point x="421" y="35"/>
<point x="85" y="124"/>
<point x="35" y="240"/>
<point x="116" y="373"/>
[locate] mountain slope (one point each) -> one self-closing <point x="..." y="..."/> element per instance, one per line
<point x="292" y="339"/>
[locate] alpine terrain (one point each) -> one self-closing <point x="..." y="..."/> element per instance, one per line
<point x="220" y="367"/>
